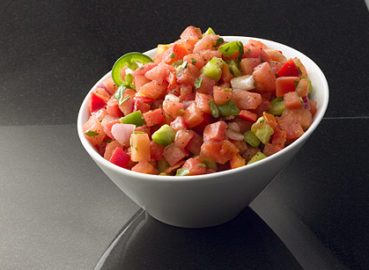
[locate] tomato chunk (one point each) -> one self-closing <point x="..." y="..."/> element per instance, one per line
<point x="96" y="102"/>
<point x="173" y="154"/>
<point x="120" y="158"/>
<point x="154" y="117"/>
<point x="140" y="147"/>
<point x="195" y="166"/>
<point x="193" y="116"/>
<point x="292" y="100"/>
<point x="144" y="167"/>
<point x="288" y="69"/>
<point x="183" y="137"/>
<point x="285" y="85"/>
<point x="215" y="131"/>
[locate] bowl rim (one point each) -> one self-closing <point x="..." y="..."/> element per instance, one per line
<point x="164" y="178"/>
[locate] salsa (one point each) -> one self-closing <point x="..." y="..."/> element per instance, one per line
<point x="202" y="105"/>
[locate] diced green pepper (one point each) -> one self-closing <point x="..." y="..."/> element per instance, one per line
<point x="262" y="130"/>
<point x="210" y="164"/>
<point x="231" y="48"/>
<point x="257" y="157"/>
<point x="229" y="108"/>
<point x="213" y="68"/>
<point x="164" y="135"/>
<point x="209" y="31"/>
<point x="134" y="118"/>
<point x="214" y="109"/>
<point x="277" y="106"/>
<point x="162" y="165"/>
<point x="182" y="172"/>
<point x="251" y="139"/>
<point x="233" y="67"/>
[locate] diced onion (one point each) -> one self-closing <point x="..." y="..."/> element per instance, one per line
<point x="245" y="82"/>
<point x="171" y="97"/>
<point x="306" y="103"/>
<point x="234" y="135"/>
<point x="234" y="126"/>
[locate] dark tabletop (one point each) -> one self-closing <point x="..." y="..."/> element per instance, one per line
<point x="59" y="211"/>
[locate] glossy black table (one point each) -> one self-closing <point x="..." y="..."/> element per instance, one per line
<point x="59" y="211"/>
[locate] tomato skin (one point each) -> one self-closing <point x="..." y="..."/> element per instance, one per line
<point x="120" y="158"/>
<point x="138" y="105"/>
<point x="153" y="89"/>
<point x="285" y="85"/>
<point x="195" y="166"/>
<point x="194" y="146"/>
<point x="289" y="69"/>
<point x="247" y="115"/>
<point x="183" y="137"/>
<point x="193" y="116"/>
<point x="247" y="65"/>
<point x="220" y="96"/>
<point x="172" y="109"/>
<point x="154" y="117"/>
<point x="145" y="68"/>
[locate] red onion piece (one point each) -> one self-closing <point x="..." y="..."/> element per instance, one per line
<point x="306" y="103"/>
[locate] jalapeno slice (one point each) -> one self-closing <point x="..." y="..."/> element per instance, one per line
<point x="130" y="60"/>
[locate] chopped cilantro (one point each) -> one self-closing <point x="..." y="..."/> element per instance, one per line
<point x="91" y="133"/>
<point x="138" y="132"/>
<point x="193" y="61"/>
<point x="198" y="83"/>
<point x="296" y="83"/>
<point x="300" y="72"/>
<point x="218" y="42"/>
<point x="172" y="55"/>
<point x="227" y="90"/>
<point x="201" y="165"/>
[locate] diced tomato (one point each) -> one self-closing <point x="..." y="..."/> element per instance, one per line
<point x="188" y="75"/>
<point x="292" y="127"/>
<point x="172" y="82"/>
<point x="256" y="43"/>
<point x="140" y="147"/>
<point x="138" y="105"/>
<point x="302" y="88"/>
<point x="264" y="106"/>
<point x="193" y="116"/>
<point x="154" y="117"/>
<point x="186" y="93"/>
<point x="215" y="131"/>
<point x="207" y="55"/>
<point x="292" y="100"/>
<point x="145" y="167"/>
<point x="194" y="146"/>
<point x="110" y="85"/>
<point x="301" y="67"/>
<point x="183" y="137"/>
<point x="159" y="73"/>
<point x="288" y="69"/>
<point x="219" y="151"/>
<point x="275" y="66"/>
<point x="153" y="89"/>
<point x="279" y="137"/>
<point x="195" y="166"/>
<point x="285" y="85"/>
<point x="246" y="100"/>
<point x="103" y="94"/>
<point x="127" y="106"/>
<point x="120" y="158"/>
<point x="270" y="120"/>
<point x="112" y="107"/>
<point x="140" y="80"/>
<point x="312" y="107"/>
<point x="172" y="109"/>
<point x="108" y="126"/>
<point x="173" y="154"/>
<point x="220" y="96"/>
<point x="194" y="59"/>
<point x="174" y="53"/>
<point x="304" y="117"/>
<point x="206" y="43"/>
<point x="94" y="126"/>
<point x="270" y="149"/>
<point x="144" y="128"/>
<point x="247" y="115"/>
<point x="206" y="86"/>
<point x="100" y="114"/>
<point x="264" y="78"/>
<point x="156" y="151"/>
<point x="276" y="56"/>
<point x="247" y="65"/>
<point x="244" y="125"/>
<point x="96" y="102"/>
<point x="173" y="168"/>
<point x="251" y="51"/>
<point x="237" y="161"/>
<point x="202" y="102"/>
<point x="226" y="73"/>
<point x="191" y="32"/>
<point x="145" y="68"/>
<point x="146" y="100"/>
<point x="178" y="123"/>
<point x="109" y="149"/>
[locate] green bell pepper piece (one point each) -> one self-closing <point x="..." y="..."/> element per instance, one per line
<point x="258" y="156"/>
<point x="134" y="118"/>
<point x="231" y="48"/>
<point x="209" y="31"/>
<point x="251" y="139"/>
<point x="162" y="165"/>
<point x="229" y="108"/>
<point x="233" y="67"/>
<point x="164" y="135"/>
<point x="277" y="106"/>
<point x="262" y="130"/>
<point x="213" y="68"/>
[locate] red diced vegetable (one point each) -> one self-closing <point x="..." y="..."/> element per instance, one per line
<point x="285" y="85"/>
<point x="194" y="166"/>
<point x="154" y="117"/>
<point x="178" y="123"/>
<point x="193" y="116"/>
<point x="183" y="137"/>
<point x="173" y="154"/>
<point x="215" y="131"/>
<point x="96" y="102"/>
<point x="292" y="100"/>
<point x="144" y="167"/>
<point x="249" y="116"/>
<point x="156" y="150"/>
<point x="288" y="69"/>
<point x="120" y="158"/>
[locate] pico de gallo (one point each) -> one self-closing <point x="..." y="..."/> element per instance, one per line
<point x="201" y="105"/>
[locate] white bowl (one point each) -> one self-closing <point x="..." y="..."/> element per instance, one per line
<point x="211" y="199"/>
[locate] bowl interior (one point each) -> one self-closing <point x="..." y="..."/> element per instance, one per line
<point x="320" y="94"/>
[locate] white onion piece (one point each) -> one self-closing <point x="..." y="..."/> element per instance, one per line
<point x="122" y="132"/>
<point x="171" y="97"/>
<point x="234" y="126"/>
<point x="245" y="82"/>
<point x="234" y="135"/>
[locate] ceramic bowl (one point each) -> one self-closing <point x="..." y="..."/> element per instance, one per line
<point x="212" y="199"/>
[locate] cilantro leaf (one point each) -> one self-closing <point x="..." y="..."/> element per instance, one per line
<point x="198" y="83"/>
<point x="91" y="133"/>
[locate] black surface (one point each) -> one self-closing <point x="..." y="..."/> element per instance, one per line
<point x="243" y="243"/>
<point x="53" y="52"/>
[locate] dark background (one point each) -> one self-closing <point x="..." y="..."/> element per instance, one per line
<point x="53" y="52"/>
